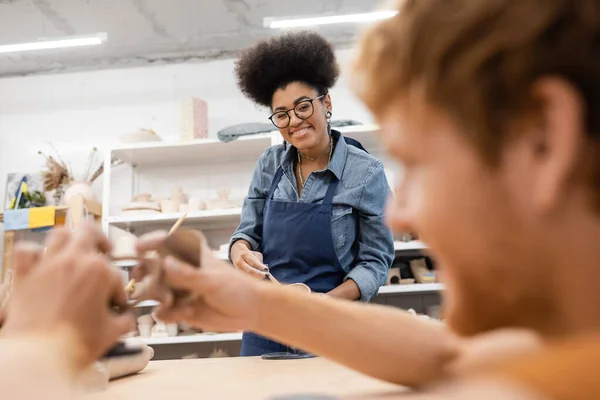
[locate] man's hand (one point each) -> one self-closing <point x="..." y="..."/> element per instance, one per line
<point x="225" y="298"/>
<point x="66" y="294"/>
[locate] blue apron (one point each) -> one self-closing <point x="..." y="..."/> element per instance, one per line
<point x="297" y="245"/>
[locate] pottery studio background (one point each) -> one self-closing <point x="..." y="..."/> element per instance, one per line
<point x="159" y="64"/>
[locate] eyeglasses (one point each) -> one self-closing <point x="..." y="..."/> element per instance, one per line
<point x="303" y="110"/>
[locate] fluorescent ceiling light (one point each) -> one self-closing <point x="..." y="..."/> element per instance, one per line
<point x="327" y="20"/>
<point x="75" y="41"/>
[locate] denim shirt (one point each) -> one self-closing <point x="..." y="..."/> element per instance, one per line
<point x="363" y="242"/>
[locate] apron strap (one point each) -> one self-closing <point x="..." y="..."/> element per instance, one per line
<point x="331" y="190"/>
<point x="275" y="182"/>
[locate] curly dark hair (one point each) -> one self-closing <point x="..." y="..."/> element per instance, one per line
<point x="292" y="57"/>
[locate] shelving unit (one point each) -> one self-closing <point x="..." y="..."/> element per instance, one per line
<point x="196" y="160"/>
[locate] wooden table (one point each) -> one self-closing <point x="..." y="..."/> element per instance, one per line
<point x="245" y="378"/>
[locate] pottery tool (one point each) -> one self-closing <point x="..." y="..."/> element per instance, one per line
<point x="130" y="287"/>
<point x="178" y="223"/>
<point x="272" y="279"/>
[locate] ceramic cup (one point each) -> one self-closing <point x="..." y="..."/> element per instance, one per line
<point x="183" y="208"/>
<point x="145" y="330"/>
<point x="168" y="206"/>
<point x="125" y="246"/>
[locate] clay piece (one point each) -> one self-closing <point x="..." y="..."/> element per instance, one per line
<point x="97" y="375"/>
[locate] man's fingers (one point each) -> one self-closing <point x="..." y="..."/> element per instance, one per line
<point x="56" y="241"/>
<point x="26" y="255"/>
<point x="150" y="241"/>
<point x="89" y="236"/>
<point x="184" y="313"/>
<point x="117" y="293"/>
<point x="121" y="325"/>
<point x="181" y="276"/>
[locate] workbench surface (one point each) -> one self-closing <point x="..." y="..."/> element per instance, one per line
<point x="245" y="378"/>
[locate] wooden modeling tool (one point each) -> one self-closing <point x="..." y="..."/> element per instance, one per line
<point x="178" y="223"/>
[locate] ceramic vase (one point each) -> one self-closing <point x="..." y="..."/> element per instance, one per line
<point x="79" y="188"/>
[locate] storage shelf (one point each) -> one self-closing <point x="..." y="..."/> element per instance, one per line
<point x="412" y="288"/>
<point x="205" y="151"/>
<point x="200" y="217"/>
<point x="199" y="338"/>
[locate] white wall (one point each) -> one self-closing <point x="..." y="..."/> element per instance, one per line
<point x="80" y="110"/>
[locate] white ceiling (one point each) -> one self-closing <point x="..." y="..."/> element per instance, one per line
<point x="151" y="31"/>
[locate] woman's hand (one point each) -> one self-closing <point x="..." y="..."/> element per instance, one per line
<point x="64" y="295"/>
<point x="224" y="299"/>
<point x="247" y="260"/>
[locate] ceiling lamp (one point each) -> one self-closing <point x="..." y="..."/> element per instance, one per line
<point x="73" y="41"/>
<point x="277" y="23"/>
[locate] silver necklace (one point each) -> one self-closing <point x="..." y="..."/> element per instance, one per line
<point x="300" y="155"/>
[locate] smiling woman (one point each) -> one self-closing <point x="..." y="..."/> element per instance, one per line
<point x="314" y="210"/>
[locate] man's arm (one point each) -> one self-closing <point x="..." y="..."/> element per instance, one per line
<point x="34" y="368"/>
<point x="379" y="341"/>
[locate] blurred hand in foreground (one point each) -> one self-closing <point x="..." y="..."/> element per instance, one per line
<point x="66" y="294"/>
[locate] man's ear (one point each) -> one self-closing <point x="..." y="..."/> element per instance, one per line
<point x="559" y="142"/>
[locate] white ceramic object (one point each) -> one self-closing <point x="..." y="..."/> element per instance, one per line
<point x="79" y="188"/>
<point x="168" y="206"/>
<point x="172" y="329"/>
<point x="142" y="197"/>
<point x="125" y="246"/>
<point x="145" y="330"/>
<point x="196" y="204"/>
<point x="143" y="135"/>
<point x="183" y="208"/>
<point x="142" y="205"/>
<point x="178" y="196"/>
